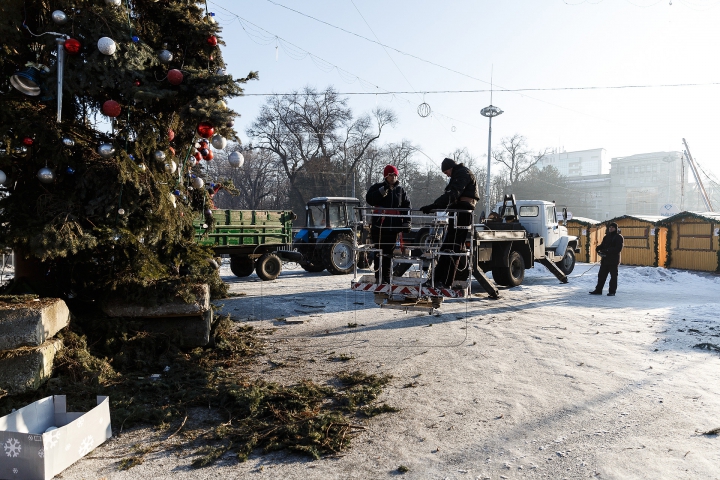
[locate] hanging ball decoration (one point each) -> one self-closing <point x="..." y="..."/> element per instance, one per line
<point x="219" y="142"/>
<point x="171" y="135"/>
<point x="204" y="152"/>
<point x="106" y="45"/>
<point x="205" y="129"/>
<point x="106" y="150"/>
<point x="221" y="72"/>
<point x="221" y="104"/>
<point x="197" y="156"/>
<point x="70" y="171"/>
<point x="173" y="199"/>
<point x="59" y="17"/>
<point x="171" y="166"/>
<point x="68" y="142"/>
<point x="27" y="141"/>
<point x="142" y="167"/>
<point x="212" y="40"/>
<point x="113" y="3"/>
<point x="45" y="175"/>
<point x="135" y="39"/>
<point x="172" y="151"/>
<point x="197" y="182"/>
<point x="72" y="46"/>
<point x="424" y="110"/>
<point x="210" y="155"/>
<point x="121" y="211"/>
<point x="137" y="83"/>
<point x="175" y="76"/>
<point x="165" y="56"/>
<point x="20" y="151"/>
<point x="159" y="156"/>
<point x="111" y="108"/>
<point x="3" y="178"/>
<point x="236" y="159"/>
<point x="230" y="124"/>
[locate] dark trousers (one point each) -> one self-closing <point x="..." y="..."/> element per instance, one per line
<point x="385" y="240"/>
<point x="454" y="241"/>
<point x="605" y="269"/>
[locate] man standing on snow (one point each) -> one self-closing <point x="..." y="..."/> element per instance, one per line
<point x="461" y="193"/>
<point x="609" y="250"/>
<point x="391" y="199"/>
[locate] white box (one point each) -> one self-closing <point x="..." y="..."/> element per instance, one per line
<point x="28" y="452"/>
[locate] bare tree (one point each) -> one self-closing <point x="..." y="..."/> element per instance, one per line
<point x="517" y="157"/>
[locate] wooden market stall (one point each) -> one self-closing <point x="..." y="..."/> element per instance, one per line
<point x="693" y="241"/>
<point x="590" y="233"/>
<point x="644" y="240"/>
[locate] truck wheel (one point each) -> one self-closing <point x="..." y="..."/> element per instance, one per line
<point x="241" y="266"/>
<point x="567" y="264"/>
<point x="513" y="275"/>
<point x="338" y="255"/>
<point x="268" y="267"/>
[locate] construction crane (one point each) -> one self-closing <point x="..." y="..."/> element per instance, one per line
<point x="694" y="169"/>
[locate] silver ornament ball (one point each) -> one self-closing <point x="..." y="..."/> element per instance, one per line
<point x="59" y="17"/>
<point x="165" y="56"/>
<point x="68" y="142"/>
<point x="159" y="156"/>
<point x="236" y="159"/>
<point x="121" y="211"/>
<point x="113" y="3"/>
<point x="171" y="166"/>
<point x="45" y="175"/>
<point x="106" y="45"/>
<point x="219" y="142"/>
<point x="106" y="150"/>
<point x="221" y="72"/>
<point x="198" y="182"/>
<point x="142" y="167"/>
<point x="3" y="178"/>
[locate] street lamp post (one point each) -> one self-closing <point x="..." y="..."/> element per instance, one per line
<point x="490" y="112"/>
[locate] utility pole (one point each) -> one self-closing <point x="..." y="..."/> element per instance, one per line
<point x="693" y="168"/>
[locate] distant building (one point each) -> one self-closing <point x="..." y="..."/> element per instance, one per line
<point x="582" y="163"/>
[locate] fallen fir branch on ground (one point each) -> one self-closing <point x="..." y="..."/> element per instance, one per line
<point x="151" y="381"/>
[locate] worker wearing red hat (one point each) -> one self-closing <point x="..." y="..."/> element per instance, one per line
<point x="388" y="197"/>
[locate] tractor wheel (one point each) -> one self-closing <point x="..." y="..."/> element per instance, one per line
<point x="567" y="264"/>
<point x="513" y="275"/>
<point x="241" y="266"/>
<point x="312" y="268"/>
<point x="268" y="267"/>
<point x="338" y="255"/>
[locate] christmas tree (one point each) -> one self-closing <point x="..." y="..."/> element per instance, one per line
<point x="109" y="110"/>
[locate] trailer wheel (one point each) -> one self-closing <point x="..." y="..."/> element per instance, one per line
<point x="567" y="264"/>
<point x="241" y="266"/>
<point x="312" y="268"/>
<point x="268" y="267"/>
<point x="338" y="255"/>
<point x="512" y="275"/>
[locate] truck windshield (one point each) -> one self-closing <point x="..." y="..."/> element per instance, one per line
<point x="316" y="216"/>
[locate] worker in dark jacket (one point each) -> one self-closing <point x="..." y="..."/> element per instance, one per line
<point x="609" y="250"/>
<point x="390" y="199"/>
<point x="461" y="193"/>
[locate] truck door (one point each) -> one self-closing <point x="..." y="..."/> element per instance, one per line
<point x="551" y="225"/>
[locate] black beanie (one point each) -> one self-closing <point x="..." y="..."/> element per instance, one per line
<point x="613" y="224"/>
<point x="447" y="164"/>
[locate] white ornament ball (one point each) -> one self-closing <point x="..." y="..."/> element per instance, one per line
<point x="106" y="150"/>
<point x="171" y="166"/>
<point x="219" y="142"/>
<point x="236" y="159"/>
<point x="113" y="3"/>
<point x="107" y="46"/>
<point x="121" y="211"/>
<point x="45" y="175"/>
<point x="59" y="17"/>
<point x="198" y="183"/>
<point x="173" y="200"/>
<point x="68" y="142"/>
<point x="221" y="72"/>
<point x="3" y="178"/>
<point x="159" y="156"/>
<point x="165" y="56"/>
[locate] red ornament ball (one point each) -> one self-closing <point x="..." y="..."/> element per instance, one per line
<point x="111" y="108"/>
<point x="212" y="40"/>
<point x="27" y="141"/>
<point x="175" y="77"/>
<point x="72" y="46"/>
<point x="171" y="135"/>
<point x="172" y="150"/>
<point x="205" y="129"/>
<point x="209" y="156"/>
<point x="197" y="156"/>
<point x="137" y="83"/>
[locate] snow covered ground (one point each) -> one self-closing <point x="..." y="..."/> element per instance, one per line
<point x="546" y="382"/>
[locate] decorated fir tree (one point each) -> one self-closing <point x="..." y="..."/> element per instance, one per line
<point x="109" y="110"/>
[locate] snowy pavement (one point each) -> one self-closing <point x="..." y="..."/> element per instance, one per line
<point x="546" y="382"/>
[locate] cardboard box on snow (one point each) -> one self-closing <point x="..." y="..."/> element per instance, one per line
<point x="28" y="452"/>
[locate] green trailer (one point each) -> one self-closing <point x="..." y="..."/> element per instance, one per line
<point x="250" y="237"/>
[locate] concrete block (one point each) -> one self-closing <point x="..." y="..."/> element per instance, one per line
<point x="119" y="307"/>
<point x="25" y="369"/>
<point x="190" y="331"/>
<point x="32" y="323"/>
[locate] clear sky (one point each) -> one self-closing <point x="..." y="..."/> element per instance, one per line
<point x="526" y="44"/>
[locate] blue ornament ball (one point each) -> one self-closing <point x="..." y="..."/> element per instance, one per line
<point x="70" y="171"/>
<point x="135" y="39"/>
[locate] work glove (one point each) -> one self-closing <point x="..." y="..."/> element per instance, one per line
<point x="427" y="209"/>
<point x="383" y="191"/>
